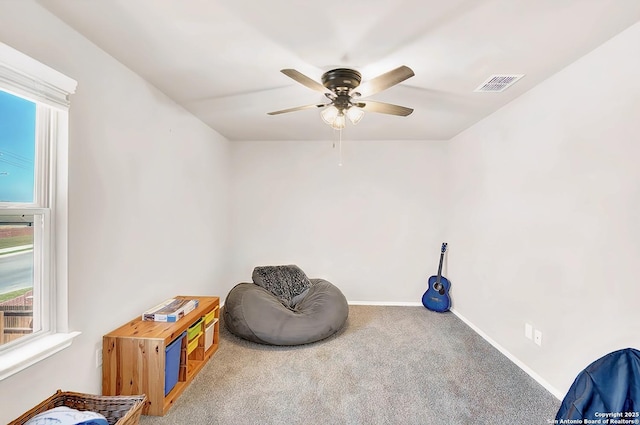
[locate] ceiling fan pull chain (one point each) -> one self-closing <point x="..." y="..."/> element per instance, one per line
<point x="340" y="149"/>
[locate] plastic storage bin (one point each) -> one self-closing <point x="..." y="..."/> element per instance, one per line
<point x="194" y="330"/>
<point x="208" y="336"/>
<point x="172" y="363"/>
<point x="193" y="344"/>
<point x="208" y="318"/>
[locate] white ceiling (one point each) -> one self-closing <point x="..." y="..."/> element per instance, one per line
<point x="221" y="59"/>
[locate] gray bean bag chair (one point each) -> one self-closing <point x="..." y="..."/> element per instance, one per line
<point x="283" y="307"/>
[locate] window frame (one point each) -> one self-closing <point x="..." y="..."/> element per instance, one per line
<point x="25" y="77"/>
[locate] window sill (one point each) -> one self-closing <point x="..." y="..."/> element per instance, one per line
<point x="31" y="353"/>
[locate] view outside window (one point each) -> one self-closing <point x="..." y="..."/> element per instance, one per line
<point x="17" y="148"/>
<point x="17" y="182"/>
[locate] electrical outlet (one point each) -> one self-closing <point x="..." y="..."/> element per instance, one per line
<point x="537" y="337"/>
<point x="99" y="357"/>
<point x="528" y="331"/>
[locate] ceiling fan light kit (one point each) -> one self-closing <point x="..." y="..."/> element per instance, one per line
<point x="339" y="86"/>
<point x="336" y="118"/>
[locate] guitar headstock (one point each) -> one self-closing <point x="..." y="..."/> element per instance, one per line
<point x="444" y="247"/>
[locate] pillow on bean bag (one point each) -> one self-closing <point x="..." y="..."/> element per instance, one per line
<point x="285" y="282"/>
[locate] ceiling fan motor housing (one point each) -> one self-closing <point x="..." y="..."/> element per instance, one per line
<point x="341" y="80"/>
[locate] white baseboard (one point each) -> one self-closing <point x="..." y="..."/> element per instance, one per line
<point x="554" y="391"/>
<point x="391" y="303"/>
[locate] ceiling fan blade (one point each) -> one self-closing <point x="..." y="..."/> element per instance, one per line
<point x="304" y="80"/>
<point x="384" y="108"/>
<point x="298" y="108"/>
<point x="384" y="81"/>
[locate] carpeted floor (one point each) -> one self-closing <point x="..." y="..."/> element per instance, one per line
<point x="388" y="365"/>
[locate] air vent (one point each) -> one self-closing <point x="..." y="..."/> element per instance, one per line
<point x="498" y="82"/>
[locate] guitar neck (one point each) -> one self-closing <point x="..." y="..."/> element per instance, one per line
<point x="440" y="267"/>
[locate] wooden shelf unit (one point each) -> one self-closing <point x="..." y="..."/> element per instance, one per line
<point x="134" y="356"/>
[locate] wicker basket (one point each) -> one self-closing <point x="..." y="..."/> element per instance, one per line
<point x="120" y="410"/>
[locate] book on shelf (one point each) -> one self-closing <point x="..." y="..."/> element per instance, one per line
<point x="170" y="310"/>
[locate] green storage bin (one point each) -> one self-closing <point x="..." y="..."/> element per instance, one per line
<point x="194" y="330"/>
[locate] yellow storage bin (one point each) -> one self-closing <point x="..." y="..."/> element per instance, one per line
<point x="192" y="345"/>
<point x="208" y="318"/>
<point x="194" y="330"/>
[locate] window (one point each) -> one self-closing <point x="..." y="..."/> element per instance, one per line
<point x="33" y="211"/>
<point x="18" y="283"/>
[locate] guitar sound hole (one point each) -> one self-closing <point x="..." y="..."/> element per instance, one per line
<point x="438" y="286"/>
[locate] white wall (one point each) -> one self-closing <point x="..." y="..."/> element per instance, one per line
<point x="148" y="201"/>
<point x="538" y="200"/>
<point x="544" y="206"/>
<point x="371" y="226"/>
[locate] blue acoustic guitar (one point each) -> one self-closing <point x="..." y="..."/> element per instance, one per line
<point x="437" y="296"/>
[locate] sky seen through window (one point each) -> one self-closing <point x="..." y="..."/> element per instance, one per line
<point x="17" y="148"/>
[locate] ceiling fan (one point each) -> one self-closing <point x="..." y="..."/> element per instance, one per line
<point x="342" y="87"/>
